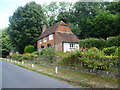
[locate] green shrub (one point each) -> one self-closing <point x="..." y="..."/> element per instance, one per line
<point x="113" y="41"/>
<point x="29" y="49"/>
<point x="92" y="58"/>
<point x="109" y="50"/>
<point x="117" y="51"/>
<point x="93" y="42"/>
<point x="35" y="52"/>
<point x="50" y="52"/>
<point x="28" y="56"/>
<point x="72" y="58"/>
<point x="16" y="56"/>
<point x="94" y="53"/>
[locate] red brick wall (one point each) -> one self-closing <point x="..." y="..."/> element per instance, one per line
<point x="58" y="44"/>
<point x="64" y="29"/>
<point x="45" y="43"/>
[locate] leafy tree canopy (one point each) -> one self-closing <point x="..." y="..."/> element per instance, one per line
<point x="25" y="25"/>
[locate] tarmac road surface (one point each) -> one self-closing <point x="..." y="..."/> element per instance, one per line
<point x="17" y="77"/>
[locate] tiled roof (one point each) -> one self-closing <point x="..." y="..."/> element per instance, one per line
<point x="68" y="37"/>
<point x="51" y="30"/>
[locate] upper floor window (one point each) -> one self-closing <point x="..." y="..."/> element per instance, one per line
<point x="40" y="41"/>
<point x="51" y="37"/>
<point x="44" y="39"/>
<point x="72" y="45"/>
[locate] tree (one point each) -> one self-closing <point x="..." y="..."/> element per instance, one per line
<point x="51" y="12"/>
<point x="104" y="25"/>
<point x="83" y="12"/>
<point x="25" y="25"/>
<point x="56" y="12"/>
<point x="6" y="43"/>
<point x="114" y="7"/>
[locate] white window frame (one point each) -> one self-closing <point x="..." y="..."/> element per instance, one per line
<point x="44" y="39"/>
<point x="40" y="41"/>
<point x="51" y="37"/>
<point x="72" y="45"/>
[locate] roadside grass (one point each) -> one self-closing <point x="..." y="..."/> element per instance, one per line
<point x="79" y="79"/>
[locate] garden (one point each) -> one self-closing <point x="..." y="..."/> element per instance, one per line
<point x="94" y="65"/>
<point x="95" y="54"/>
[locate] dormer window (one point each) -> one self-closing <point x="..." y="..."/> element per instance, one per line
<point x="51" y="37"/>
<point x="44" y="39"/>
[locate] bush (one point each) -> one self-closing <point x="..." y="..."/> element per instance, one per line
<point x="94" y="53"/>
<point x="16" y="56"/>
<point x="93" y="42"/>
<point x="50" y="52"/>
<point x="117" y="51"/>
<point x="109" y="50"/>
<point x="113" y="41"/>
<point x="28" y="56"/>
<point x="35" y="52"/>
<point x="29" y="49"/>
<point x="72" y="58"/>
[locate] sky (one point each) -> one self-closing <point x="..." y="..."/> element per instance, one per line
<point x="7" y="7"/>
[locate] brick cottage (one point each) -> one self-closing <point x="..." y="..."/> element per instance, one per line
<point x="58" y="36"/>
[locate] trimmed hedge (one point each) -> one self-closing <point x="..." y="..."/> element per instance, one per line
<point x="113" y="41"/>
<point x="100" y="43"/>
<point x="93" y="42"/>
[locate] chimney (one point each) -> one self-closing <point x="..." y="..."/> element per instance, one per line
<point x="44" y="27"/>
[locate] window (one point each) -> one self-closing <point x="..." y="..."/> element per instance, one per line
<point x="40" y="41"/>
<point x="42" y="47"/>
<point x="48" y="45"/>
<point x="45" y="39"/>
<point x="72" y="45"/>
<point x="51" y="37"/>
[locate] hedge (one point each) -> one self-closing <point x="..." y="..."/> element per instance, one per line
<point x="93" y="42"/>
<point x="113" y="41"/>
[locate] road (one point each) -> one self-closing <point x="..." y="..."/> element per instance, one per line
<point x="17" y="77"/>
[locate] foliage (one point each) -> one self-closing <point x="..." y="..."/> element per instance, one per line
<point x="25" y="25"/>
<point x="72" y="58"/>
<point x="92" y="58"/>
<point x="114" y="7"/>
<point x="35" y="52"/>
<point x="56" y="12"/>
<point x="94" y="53"/>
<point x="16" y="56"/>
<point x="92" y="42"/>
<point x="113" y="41"/>
<point x="117" y="51"/>
<point x="29" y="49"/>
<point x="109" y="50"/>
<point x="82" y="13"/>
<point x="28" y="56"/>
<point x="103" y="25"/>
<point x="49" y="52"/>
<point x="6" y="43"/>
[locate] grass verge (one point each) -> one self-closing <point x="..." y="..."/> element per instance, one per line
<point x="75" y="78"/>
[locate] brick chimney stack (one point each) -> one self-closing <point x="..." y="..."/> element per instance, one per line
<point x="44" y="27"/>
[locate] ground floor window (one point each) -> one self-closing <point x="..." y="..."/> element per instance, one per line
<point x="72" y="45"/>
